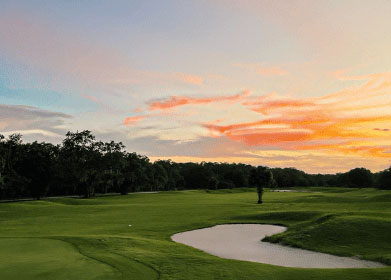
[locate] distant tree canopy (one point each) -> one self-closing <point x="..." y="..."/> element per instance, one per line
<point x="384" y="181"/>
<point x="359" y="178"/>
<point x="82" y="165"/>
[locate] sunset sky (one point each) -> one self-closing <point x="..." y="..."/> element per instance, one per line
<point x="303" y="84"/>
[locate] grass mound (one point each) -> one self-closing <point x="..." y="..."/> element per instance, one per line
<point x="343" y="235"/>
<point x="283" y="217"/>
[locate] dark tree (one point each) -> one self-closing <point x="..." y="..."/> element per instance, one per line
<point x="82" y="160"/>
<point x="159" y="176"/>
<point x="114" y="165"/>
<point x="175" y="179"/>
<point x="37" y="167"/>
<point x="261" y="177"/>
<point x="2" y="163"/>
<point x="213" y="183"/>
<point x="196" y="175"/>
<point x="14" y="183"/>
<point x="132" y="173"/>
<point x="359" y="178"/>
<point x="384" y="181"/>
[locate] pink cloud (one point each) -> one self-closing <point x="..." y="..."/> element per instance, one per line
<point x="177" y="101"/>
<point x="129" y="121"/>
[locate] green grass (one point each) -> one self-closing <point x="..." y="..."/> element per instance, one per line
<point x="69" y="238"/>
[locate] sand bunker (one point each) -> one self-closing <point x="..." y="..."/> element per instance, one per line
<point x="242" y="242"/>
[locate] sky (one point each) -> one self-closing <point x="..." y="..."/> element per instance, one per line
<point x="304" y="84"/>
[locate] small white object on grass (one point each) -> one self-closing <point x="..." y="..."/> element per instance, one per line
<point x="129" y="225"/>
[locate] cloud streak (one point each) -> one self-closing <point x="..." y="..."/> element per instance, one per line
<point x="129" y="121"/>
<point x="30" y="120"/>
<point x="178" y="101"/>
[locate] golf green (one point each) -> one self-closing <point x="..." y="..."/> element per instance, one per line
<point x="128" y="237"/>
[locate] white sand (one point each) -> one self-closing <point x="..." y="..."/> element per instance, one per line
<point x="242" y="242"/>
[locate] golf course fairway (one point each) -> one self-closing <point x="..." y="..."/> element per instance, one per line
<point x="128" y="237"/>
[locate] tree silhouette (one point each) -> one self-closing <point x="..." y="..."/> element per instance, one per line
<point x="83" y="166"/>
<point x="261" y="177"/>
<point x="385" y="179"/>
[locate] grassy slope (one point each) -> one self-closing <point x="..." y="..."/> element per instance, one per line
<point x="91" y="239"/>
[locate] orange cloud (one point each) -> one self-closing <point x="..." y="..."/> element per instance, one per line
<point x="349" y="148"/>
<point x="335" y="119"/>
<point x="267" y="106"/>
<point x="341" y="74"/>
<point x="177" y="101"/>
<point x="133" y="120"/>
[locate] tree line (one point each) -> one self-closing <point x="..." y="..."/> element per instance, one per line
<point x="82" y="165"/>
